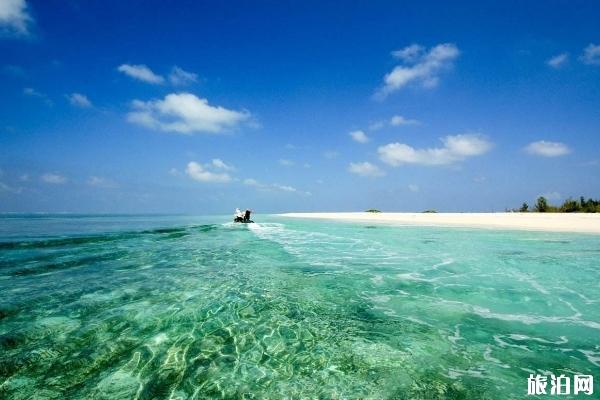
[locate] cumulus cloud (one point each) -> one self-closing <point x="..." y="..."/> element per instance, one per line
<point x="547" y="149"/>
<point x="286" y="163"/>
<point x="142" y="73"/>
<point x="202" y="173"/>
<point x="100" y="182"/>
<point x="591" y="54"/>
<point x="365" y="169"/>
<point x="79" y="100"/>
<point x="184" y="113"/>
<point x="419" y="66"/>
<point x="455" y="148"/>
<point x="399" y="120"/>
<point x="359" y="136"/>
<point x="558" y="60"/>
<point x="14" y="17"/>
<point x="54" y="179"/>
<point x="180" y="77"/>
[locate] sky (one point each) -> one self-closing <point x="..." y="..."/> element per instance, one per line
<point x="201" y="107"/>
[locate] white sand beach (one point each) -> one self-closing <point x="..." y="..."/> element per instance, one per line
<point x="550" y="222"/>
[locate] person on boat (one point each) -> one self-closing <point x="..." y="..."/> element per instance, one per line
<point x="238" y="216"/>
<point x="247" y="215"/>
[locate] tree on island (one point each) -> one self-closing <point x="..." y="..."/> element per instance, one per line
<point x="589" y="205"/>
<point x="541" y="205"/>
<point x="570" y="205"/>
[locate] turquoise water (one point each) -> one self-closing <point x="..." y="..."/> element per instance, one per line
<point x="186" y="307"/>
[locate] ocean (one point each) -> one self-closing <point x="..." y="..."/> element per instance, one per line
<point x="178" y="307"/>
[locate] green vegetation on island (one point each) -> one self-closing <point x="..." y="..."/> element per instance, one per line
<point x="568" y="206"/>
<point x="373" y="210"/>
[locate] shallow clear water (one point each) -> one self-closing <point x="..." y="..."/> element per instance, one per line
<point x="184" y="307"/>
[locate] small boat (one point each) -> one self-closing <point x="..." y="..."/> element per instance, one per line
<point x="242" y="217"/>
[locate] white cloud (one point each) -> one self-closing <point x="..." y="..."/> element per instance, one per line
<point x="273" y="186"/>
<point x="591" y="54"/>
<point x="220" y="164"/>
<point x="32" y="92"/>
<point x="251" y="182"/>
<point x="413" y="188"/>
<point x="79" y="100"/>
<point x="455" y="148"/>
<point x="103" y="183"/>
<point x="142" y="73"/>
<point x="467" y="145"/>
<point x="419" y="66"/>
<point x="409" y="54"/>
<point x="10" y="189"/>
<point x="558" y="60"/>
<point x="286" y="163"/>
<point x="375" y="126"/>
<point x="396" y="120"/>
<point x="285" y="188"/>
<point x="399" y="120"/>
<point x="365" y="169"/>
<point x="184" y="113"/>
<point x="359" y="136"/>
<point x="201" y="173"/>
<point x="54" y="179"/>
<point x="14" y="17"/>
<point x="180" y="77"/>
<point x="177" y="77"/>
<point x="547" y="149"/>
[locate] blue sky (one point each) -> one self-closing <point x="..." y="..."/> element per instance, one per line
<point x="201" y="107"/>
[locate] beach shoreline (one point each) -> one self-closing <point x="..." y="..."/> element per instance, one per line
<point x="546" y="222"/>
